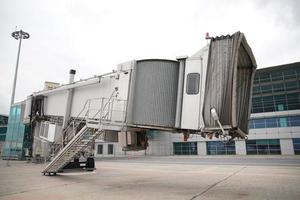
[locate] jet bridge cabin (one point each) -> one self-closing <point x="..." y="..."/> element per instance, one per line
<point x="181" y="94"/>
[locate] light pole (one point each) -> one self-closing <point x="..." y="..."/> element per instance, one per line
<point x="18" y="35"/>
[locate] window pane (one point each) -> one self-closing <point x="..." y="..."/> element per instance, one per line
<point x="279" y="87"/>
<point x="289" y="74"/>
<point x="262" y="142"/>
<point x="100" y="149"/>
<point x="268" y="104"/>
<point x="283" y="122"/>
<point x="256" y="79"/>
<point x="277" y="76"/>
<point x="256" y="90"/>
<point x="293" y="101"/>
<point x="265" y="77"/>
<point x="257" y="105"/>
<point x="273" y="142"/>
<point x="271" y="123"/>
<point x="259" y="123"/>
<point x="280" y="102"/>
<point x="220" y="148"/>
<point x="271" y="146"/>
<point x="291" y="85"/>
<point x="193" y="80"/>
<point x="266" y="88"/>
<point x="296" y="143"/>
<point x="110" y="149"/>
<point x="185" y="148"/>
<point x="294" y="121"/>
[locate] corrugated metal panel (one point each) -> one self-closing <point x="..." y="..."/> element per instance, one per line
<point x="231" y="68"/>
<point x="155" y="93"/>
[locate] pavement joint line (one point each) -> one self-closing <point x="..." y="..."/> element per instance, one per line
<point x="217" y="183"/>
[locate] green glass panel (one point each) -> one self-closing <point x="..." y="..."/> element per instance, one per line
<point x="262" y="142"/>
<point x="277" y="76"/>
<point x="279" y="87"/>
<point x="264" y="77"/>
<point x="274" y="142"/>
<point x="289" y="74"/>
<point x="291" y="85"/>
<point x="283" y="121"/>
<point x="256" y="90"/>
<point x="266" y="88"/>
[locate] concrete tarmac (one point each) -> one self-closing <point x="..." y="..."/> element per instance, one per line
<point x="173" y="177"/>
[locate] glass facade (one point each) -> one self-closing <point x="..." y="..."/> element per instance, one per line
<point x="287" y="74"/>
<point x="220" y="148"/>
<point x="264" y="147"/>
<point x="276" y="90"/>
<point x="17" y="132"/>
<point x="3" y="127"/>
<point x="296" y="143"/>
<point x="3" y="133"/>
<point x="185" y="148"/>
<point x="274" y="122"/>
<point x="274" y="103"/>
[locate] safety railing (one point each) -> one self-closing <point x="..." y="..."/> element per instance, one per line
<point x="111" y="110"/>
<point x="99" y="110"/>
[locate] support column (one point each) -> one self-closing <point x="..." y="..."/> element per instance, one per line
<point x="287" y="147"/>
<point x="202" y="148"/>
<point x="240" y="147"/>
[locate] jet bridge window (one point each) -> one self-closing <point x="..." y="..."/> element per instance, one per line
<point x="192" y="86"/>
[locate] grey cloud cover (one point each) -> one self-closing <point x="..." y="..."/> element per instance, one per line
<point x="94" y="36"/>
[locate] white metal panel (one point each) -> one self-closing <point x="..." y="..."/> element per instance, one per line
<point x="100" y="90"/>
<point x="51" y="132"/>
<point x="47" y="131"/>
<point x="55" y="103"/>
<point x="27" y="110"/>
<point x="204" y="60"/>
<point x="192" y="105"/>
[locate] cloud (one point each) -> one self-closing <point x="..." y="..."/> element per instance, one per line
<point x="94" y="36"/>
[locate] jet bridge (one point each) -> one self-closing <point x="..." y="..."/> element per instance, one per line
<point x="208" y="93"/>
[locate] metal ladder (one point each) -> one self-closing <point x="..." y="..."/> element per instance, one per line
<point x="79" y="143"/>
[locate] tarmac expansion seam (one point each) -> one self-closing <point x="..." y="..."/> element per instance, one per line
<point x="217" y="183"/>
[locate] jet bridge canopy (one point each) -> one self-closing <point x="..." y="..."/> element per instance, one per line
<point x="230" y="73"/>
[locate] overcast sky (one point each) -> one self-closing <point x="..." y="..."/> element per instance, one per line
<point x="94" y="36"/>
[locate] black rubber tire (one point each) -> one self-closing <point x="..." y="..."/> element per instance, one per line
<point x="90" y="163"/>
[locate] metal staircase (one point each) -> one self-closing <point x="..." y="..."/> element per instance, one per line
<point x="98" y="115"/>
<point x="79" y="143"/>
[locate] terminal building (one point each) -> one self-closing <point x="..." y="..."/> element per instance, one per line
<point x="274" y="123"/>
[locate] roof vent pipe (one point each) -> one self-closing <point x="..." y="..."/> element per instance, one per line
<point x="72" y="75"/>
